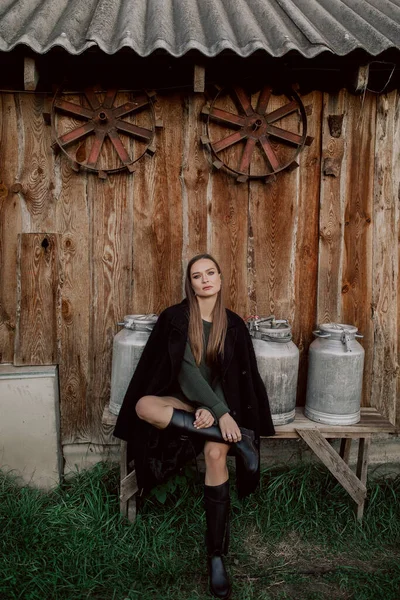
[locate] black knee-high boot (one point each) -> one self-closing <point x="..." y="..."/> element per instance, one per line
<point x="216" y="502"/>
<point x="245" y="449"/>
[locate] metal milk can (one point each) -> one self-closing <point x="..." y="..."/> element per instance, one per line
<point x="127" y="349"/>
<point x="335" y="373"/>
<point x="278" y="364"/>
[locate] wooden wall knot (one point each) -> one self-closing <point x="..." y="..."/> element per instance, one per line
<point x="16" y="188"/>
<point x="335" y="123"/>
<point x="3" y="190"/>
<point x="332" y="166"/>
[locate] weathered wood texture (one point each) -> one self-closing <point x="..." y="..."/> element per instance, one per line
<point x="228" y="231"/>
<point x="157" y="217"/>
<point x="384" y="302"/>
<point x="195" y="178"/>
<point x="356" y="284"/>
<point x="37" y="335"/>
<point x="306" y="248"/>
<point x="319" y="244"/>
<point x="10" y="224"/>
<point x="110" y="257"/>
<point x="72" y="218"/>
<point x="331" y="218"/>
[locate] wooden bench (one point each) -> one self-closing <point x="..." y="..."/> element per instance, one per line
<point x="315" y="435"/>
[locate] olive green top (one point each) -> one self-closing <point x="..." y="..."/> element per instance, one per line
<point x="198" y="384"/>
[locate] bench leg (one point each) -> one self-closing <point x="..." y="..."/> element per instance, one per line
<point x="123" y="505"/>
<point x="362" y="469"/>
<point x="128" y="487"/>
<point x="132" y="509"/>
<point x="345" y="447"/>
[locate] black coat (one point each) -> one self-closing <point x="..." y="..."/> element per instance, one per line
<point x="160" y="453"/>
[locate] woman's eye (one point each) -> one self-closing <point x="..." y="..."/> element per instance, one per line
<point x="211" y="272"/>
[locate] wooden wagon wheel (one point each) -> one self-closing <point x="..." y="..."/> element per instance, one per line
<point x="268" y="130"/>
<point x="103" y="131"/>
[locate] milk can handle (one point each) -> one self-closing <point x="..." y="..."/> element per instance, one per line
<point x="318" y="333"/>
<point x="359" y="335"/>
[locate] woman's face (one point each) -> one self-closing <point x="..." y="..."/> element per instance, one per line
<point x="205" y="279"/>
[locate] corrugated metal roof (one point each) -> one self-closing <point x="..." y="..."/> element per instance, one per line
<point x="209" y="26"/>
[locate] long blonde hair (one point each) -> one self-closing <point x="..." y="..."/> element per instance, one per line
<point x="216" y="340"/>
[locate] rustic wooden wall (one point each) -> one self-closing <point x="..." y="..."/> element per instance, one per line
<point x="318" y="244"/>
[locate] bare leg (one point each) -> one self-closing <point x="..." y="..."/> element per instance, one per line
<point x="215" y="456"/>
<point x="157" y="410"/>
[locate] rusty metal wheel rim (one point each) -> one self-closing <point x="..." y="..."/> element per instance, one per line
<point x="254" y="127"/>
<point x="103" y="119"/>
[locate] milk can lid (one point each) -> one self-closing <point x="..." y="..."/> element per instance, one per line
<point x="143" y="322"/>
<point x="270" y="329"/>
<point x="337" y="328"/>
<point x="272" y="325"/>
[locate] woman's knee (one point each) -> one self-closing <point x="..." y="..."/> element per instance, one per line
<point x="215" y="454"/>
<point x="144" y="407"/>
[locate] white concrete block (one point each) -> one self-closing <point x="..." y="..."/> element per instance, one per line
<point x="29" y="424"/>
<point x="78" y="457"/>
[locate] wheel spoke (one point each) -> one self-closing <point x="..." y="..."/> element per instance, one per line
<point x="230" y="140"/>
<point x="76" y="134"/>
<point x="130" y="107"/>
<point x="244" y="101"/>
<point x="138" y="132"/>
<point x="109" y="98"/>
<point x="96" y="148"/>
<point x="269" y="152"/>
<point x="263" y="100"/>
<point x="247" y="155"/>
<point x="279" y="113"/>
<point x="118" y="145"/>
<point x="227" y="118"/>
<point x="74" y="109"/>
<point x="92" y="98"/>
<point x="287" y="136"/>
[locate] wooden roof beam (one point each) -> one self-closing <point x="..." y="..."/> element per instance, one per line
<point x="31" y="74"/>
<point x="199" y="79"/>
<point x="362" y="78"/>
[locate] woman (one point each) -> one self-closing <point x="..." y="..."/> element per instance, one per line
<point x="197" y="387"/>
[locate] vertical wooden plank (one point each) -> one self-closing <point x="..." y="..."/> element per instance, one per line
<point x="358" y="163"/>
<point x="157" y="243"/>
<point x="36" y="165"/>
<point x="362" y="469"/>
<point x="73" y="222"/>
<point x="228" y="216"/>
<point x="110" y="258"/>
<point x="385" y="257"/>
<point x="228" y="221"/>
<point x="396" y="193"/>
<point x="37" y="334"/>
<point x="306" y="251"/>
<point x="195" y="177"/>
<point x="274" y="213"/>
<point x="10" y="224"/>
<point x="331" y="222"/>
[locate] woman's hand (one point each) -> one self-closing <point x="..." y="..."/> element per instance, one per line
<point x="229" y="428"/>
<point x="203" y="419"/>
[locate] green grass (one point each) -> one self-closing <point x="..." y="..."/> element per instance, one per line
<point x="297" y="538"/>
